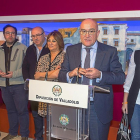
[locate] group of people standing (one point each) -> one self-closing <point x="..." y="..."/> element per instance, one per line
<point x="95" y="64"/>
<point x="19" y="63"/>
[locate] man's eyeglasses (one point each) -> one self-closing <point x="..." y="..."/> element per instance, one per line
<point x="8" y="33"/>
<point x="37" y="35"/>
<point x="90" y="32"/>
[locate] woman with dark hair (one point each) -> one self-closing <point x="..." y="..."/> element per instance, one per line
<point x="49" y="65"/>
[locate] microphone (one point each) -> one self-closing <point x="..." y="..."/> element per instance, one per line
<point x="77" y="77"/>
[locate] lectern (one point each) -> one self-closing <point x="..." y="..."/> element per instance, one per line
<point x="67" y="110"/>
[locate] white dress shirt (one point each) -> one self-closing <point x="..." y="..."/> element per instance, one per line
<point x="93" y="51"/>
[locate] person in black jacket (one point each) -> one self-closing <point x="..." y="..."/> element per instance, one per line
<point x="33" y="54"/>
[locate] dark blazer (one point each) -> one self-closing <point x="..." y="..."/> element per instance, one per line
<point x="106" y="61"/>
<point x="135" y="86"/>
<point x="29" y="66"/>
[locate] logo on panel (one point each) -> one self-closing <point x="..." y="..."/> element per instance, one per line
<point x="57" y="90"/>
<point x="64" y="119"/>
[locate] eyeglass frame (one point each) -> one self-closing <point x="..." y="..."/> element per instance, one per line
<point x="8" y="33"/>
<point x="94" y="31"/>
<point x="37" y="35"/>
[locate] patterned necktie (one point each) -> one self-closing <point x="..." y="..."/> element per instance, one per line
<point x="86" y="65"/>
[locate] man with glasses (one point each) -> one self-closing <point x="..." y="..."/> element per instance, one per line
<point x="33" y="54"/>
<point x="95" y="64"/>
<point x="12" y="54"/>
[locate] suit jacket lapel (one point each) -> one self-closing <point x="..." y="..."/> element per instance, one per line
<point x="99" y="56"/>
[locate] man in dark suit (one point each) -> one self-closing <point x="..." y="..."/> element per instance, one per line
<point x="99" y="66"/>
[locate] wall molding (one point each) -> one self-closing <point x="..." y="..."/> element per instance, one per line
<point x="73" y="16"/>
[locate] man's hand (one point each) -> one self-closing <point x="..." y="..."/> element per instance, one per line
<point x="2" y="73"/>
<point x="75" y="72"/>
<point x="9" y="75"/>
<point x="82" y="71"/>
<point x="92" y="73"/>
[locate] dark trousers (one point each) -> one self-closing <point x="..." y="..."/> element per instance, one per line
<point x="16" y="101"/>
<point x="135" y="123"/>
<point x="97" y="130"/>
<point x="38" y="121"/>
